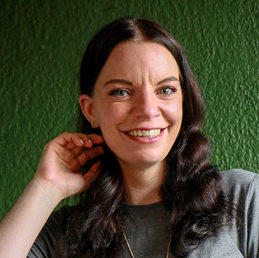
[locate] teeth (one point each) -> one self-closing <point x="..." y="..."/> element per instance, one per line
<point x="144" y="133"/>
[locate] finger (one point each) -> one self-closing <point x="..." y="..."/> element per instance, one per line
<point x="96" y="139"/>
<point x="78" y="139"/>
<point x="66" y="155"/>
<point x="77" y="150"/>
<point x="89" y="154"/>
<point x="69" y="139"/>
<point x="93" y="173"/>
<point x="74" y="165"/>
<point x="75" y="142"/>
<point x="86" y="140"/>
<point x="70" y="146"/>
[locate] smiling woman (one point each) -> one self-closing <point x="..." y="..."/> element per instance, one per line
<point x="137" y="94"/>
<point x="148" y="187"/>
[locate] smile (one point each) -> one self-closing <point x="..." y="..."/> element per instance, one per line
<point x="144" y="133"/>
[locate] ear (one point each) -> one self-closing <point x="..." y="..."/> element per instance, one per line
<point x="86" y="104"/>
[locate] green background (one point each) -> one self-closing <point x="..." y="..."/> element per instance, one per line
<point x="41" y="45"/>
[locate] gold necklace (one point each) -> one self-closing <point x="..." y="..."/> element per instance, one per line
<point x="132" y="255"/>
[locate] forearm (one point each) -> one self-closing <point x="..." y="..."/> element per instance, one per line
<point x="57" y="177"/>
<point x="23" y="223"/>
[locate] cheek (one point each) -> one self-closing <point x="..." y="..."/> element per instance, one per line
<point x="174" y="112"/>
<point x="110" y="114"/>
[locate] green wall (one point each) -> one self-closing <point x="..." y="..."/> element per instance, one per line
<point x="42" y="42"/>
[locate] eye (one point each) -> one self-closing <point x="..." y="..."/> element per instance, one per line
<point x="119" y="93"/>
<point x="167" y="90"/>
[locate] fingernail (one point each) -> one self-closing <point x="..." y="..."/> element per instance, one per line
<point x="81" y="140"/>
<point x="89" y="140"/>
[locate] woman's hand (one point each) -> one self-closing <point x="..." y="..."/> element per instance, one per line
<point x="62" y="160"/>
<point x="57" y="177"/>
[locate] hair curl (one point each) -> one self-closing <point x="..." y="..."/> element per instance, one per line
<point x="192" y="189"/>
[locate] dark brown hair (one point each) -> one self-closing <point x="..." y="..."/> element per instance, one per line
<point x="191" y="191"/>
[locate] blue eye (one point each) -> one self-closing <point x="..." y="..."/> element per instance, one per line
<point x="167" y="91"/>
<point x="120" y="93"/>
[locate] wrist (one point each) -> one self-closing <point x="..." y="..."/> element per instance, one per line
<point x="26" y="219"/>
<point x="47" y="190"/>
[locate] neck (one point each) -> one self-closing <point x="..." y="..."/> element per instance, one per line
<point x="142" y="184"/>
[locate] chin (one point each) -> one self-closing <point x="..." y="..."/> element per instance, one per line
<point x="143" y="160"/>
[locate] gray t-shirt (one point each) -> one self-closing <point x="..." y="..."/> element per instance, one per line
<point x="149" y="234"/>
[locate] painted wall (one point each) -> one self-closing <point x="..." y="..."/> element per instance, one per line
<point x="41" y="45"/>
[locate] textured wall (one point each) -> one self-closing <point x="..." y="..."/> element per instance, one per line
<point x="41" y="45"/>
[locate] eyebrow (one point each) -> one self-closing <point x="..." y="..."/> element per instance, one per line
<point x="122" y="81"/>
<point x="169" y="79"/>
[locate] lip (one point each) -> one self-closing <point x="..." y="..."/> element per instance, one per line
<point x="145" y="139"/>
<point x="144" y="128"/>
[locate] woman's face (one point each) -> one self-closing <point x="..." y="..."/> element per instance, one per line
<point x="137" y="103"/>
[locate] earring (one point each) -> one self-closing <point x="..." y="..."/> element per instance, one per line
<point x="92" y="124"/>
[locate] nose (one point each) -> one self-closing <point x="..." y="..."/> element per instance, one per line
<point x="146" y="106"/>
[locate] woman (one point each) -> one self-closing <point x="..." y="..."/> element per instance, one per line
<point x="149" y="190"/>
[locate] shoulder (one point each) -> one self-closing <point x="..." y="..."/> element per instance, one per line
<point x="239" y="176"/>
<point x="242" y="188"/>
<point x="238" y="181"/>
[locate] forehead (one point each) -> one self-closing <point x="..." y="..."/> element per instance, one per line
<point x="129" y="58"/>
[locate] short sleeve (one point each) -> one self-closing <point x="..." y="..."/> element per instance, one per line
<point x="243" y="188"/>
<point x="52" y="233"/>
<point x="250" y="225"/>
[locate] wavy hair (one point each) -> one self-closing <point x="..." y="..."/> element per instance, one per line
<point x="191" y="191"/>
